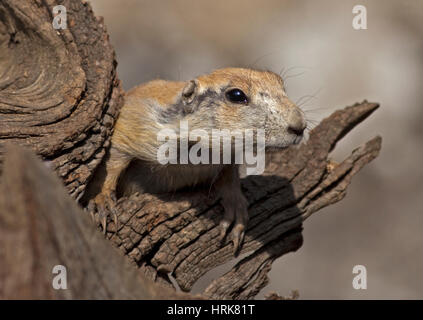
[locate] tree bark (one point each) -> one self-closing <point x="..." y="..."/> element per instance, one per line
<point x="41" y="227"/>
<point x="60" y="96"/>
<point x="59" y="93"/>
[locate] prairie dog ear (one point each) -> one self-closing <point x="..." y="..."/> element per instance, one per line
<point x="189" y="91"/>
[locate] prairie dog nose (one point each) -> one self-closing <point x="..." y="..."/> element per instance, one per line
<point x="296" y="122"/>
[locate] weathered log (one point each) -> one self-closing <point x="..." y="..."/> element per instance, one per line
<point x="41" y="227"/>
<point x="59" y="93"/>
<point x="59" y="96"/>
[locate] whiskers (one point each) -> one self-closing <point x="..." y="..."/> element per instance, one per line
<point x="311" y="124"/>
<point x="253" y="64"/>
<point x="283" y="73"/>
<point x="307" y="98"/>
<point x="312" y="118"/>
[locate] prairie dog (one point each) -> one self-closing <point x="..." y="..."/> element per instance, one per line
<point x="230" y="98"/>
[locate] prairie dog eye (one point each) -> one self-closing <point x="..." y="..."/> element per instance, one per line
<point x="236" y="96"/>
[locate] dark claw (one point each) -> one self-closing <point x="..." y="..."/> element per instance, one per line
<point x="105" y="206"/>
<point x="103" y="219"/>
<point x="113" y="196"/>
<point x="104" y="225"/>
<point x="91" y="210"/>
<point x="238" y="234"/>
<point x="236" y="211"/>
<point x="224" y="226"/>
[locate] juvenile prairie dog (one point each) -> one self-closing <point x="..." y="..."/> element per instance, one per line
<point x="231" y="98"/>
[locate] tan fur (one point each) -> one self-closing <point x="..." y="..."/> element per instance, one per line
<point x="165" y="92"/>
<point x="162" y="104"/>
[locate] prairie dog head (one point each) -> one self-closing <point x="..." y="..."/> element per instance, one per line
<point x="239" y="99"/>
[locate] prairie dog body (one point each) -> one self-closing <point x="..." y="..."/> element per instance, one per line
<point x="231" y="98"/>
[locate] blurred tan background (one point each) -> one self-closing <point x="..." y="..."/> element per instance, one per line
<point x="379" y="223"/>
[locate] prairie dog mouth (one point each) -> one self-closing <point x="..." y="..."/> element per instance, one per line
<point x="284" y="142"/>
<point x="298" y="139"/>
